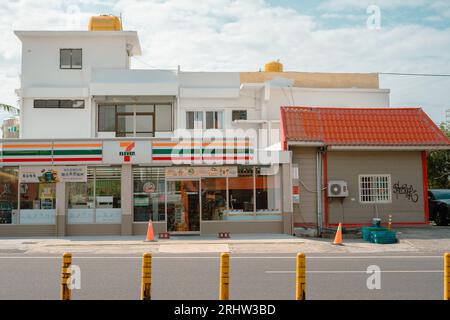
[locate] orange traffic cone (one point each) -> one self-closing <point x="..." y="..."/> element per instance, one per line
<point x="338" y="237"/>
<point x="150" y="235"/>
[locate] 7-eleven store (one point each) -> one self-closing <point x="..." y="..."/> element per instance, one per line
<point x="115" y="186"/>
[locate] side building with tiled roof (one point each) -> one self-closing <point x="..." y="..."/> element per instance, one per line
<point x="354" y="164"/>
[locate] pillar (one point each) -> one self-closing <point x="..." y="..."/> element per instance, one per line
<point x="61" y="208"/>
<point x="127" y="199"/>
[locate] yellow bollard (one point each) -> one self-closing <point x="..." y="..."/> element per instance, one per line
<point x="300" y="284"/>
<point x="224" y="276"/>
<point x="146" y="280"/>
<point x="447" y="276"/>
<point x="66" y="293"/>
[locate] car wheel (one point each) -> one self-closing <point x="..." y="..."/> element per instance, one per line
<point x="441" y="218"/>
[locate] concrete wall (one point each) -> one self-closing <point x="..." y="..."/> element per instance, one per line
<point x="20" y="230"/>
<point x="404" y="167"/>
<point x="317" y="80"/>
<point x="305" y="212"/>
<point x="41" y="59"/>
<point x="55" y="123"/>
<point x="213" y="227"/>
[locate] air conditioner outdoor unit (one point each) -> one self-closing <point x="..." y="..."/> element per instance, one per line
<point x="337" y="189"/>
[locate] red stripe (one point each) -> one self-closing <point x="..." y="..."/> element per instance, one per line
<point x="202" y="158"/>
<point x="425" y="186"/>
<point x="325" y="182"/>
<point x="76" y="159"/>
<point x="27" y="160"/>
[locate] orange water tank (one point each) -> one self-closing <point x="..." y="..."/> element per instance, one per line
<point x="105" y="23"/>
<point x="273" y="66"/>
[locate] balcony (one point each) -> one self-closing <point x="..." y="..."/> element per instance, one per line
<point x="133" y="82"/>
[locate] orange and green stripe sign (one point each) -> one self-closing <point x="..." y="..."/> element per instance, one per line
<point x="48" y="152"/>
<point x="220" y="150"/>
<point x="77" y="152"/>
<point x="17" y="152"/>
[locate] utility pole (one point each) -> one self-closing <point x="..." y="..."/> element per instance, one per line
<point x="447" y="119"/>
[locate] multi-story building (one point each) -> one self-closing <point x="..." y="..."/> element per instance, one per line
<point x="104" y="148"/>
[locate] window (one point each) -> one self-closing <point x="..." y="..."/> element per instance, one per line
<point x="214" y="198"/>
<point x="61" y="104"/>
<point x="268" y="189"/>
<point x="241" y="194"/>
<point x="149" y="194"/>
<point x="70" y="59"/>
<point x="106" y="118"/>
<point x="37" y="196"/>
<point x="204" y="120"/>
<point x="194" y="120"/>
<point x="9" y="182"/>
<point x="375" y="188"/>
<point x="164" y="117"/>
<point x="239" y="115"/>
<point x="98" y="200"/>
<point x="214" y="120"/>
<point x="134" y="120"/>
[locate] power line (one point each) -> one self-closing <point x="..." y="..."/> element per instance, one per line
<point x="415" y="74"/>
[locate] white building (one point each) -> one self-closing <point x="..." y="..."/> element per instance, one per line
<point x="84" y="110"/>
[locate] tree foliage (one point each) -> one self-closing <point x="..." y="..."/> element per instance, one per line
<point x="438" y="166"/>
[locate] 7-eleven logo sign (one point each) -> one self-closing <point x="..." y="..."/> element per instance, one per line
<point x="127" y="153"/>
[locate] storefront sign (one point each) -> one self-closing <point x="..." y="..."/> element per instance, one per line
<point x="212" y="172"/>
<point x="53" y="174"/>
<point x="118" y="152"/>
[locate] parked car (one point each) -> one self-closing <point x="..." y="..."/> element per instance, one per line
<point x="439" y="204"/>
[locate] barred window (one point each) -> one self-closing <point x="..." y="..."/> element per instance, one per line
<point x="375" y="188"/>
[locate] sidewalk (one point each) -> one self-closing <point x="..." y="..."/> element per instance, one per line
<point x="428" y="239"/>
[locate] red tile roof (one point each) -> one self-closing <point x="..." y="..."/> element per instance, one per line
<point x="361" y="126"/>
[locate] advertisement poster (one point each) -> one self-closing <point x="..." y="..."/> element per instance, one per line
<point x="53" y="174"/>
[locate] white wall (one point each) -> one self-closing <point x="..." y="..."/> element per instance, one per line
<point x="40" y="59"/>
<point x="55" y="123"/>
<point x="355" y="98"/>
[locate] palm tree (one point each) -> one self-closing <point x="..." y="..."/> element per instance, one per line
<point x="9" y="109"/>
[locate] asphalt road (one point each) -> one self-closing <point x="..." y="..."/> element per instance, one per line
<point x="252" y="276"/>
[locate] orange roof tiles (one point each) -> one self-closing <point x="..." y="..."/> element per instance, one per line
<point x="361" y="126"/>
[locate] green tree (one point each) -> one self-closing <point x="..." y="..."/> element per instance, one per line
<point x="438" y="166"/>
<point x="9" y="109"/>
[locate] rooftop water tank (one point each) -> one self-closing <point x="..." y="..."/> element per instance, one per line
<point x="273" y="66"/>
<point x="105" y="23"/>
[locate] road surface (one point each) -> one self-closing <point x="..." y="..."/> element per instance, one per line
<point x="253" y="276"/>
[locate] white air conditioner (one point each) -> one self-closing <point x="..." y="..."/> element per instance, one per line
<point x="337" y="188"/>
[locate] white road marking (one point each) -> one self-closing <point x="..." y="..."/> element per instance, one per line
<point x="156" y="256"/>
<point x="359" y="271"/>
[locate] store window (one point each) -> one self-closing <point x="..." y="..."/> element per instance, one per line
<point x="98" y="200"/>
<point x="37" y="203"/>
<point x="214" y="198"/>
<point x="149" y="194"/>
<point x="268" y="189"/>
<point x="9" y="182"/>
<point x="241" y="196"/>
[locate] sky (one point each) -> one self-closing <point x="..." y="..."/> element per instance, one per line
<point x="391" y="36"/>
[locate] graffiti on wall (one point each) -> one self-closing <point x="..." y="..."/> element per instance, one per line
<point x="408" y="191"/>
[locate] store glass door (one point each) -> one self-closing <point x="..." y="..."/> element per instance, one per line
<point x="183" y="206"/>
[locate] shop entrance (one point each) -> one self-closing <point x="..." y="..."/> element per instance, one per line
<point x="183" y="206"/>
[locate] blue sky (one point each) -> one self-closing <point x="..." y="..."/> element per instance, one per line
<point x="241" y="35"/>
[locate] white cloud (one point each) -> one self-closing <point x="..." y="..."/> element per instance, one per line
<point x="242" y="35"/>
<point x="340" y="5"/>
